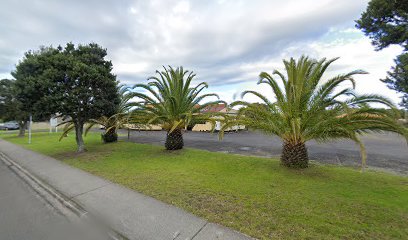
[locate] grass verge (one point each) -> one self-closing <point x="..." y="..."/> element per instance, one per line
<point x="250" y="194"/>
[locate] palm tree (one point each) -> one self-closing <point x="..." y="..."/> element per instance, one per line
<point x="171" y="102"/>
<point x="118" y="120"/>
<point x="110" y="123"/>
<point x="305" y="107"/>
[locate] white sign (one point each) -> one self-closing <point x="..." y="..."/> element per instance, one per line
<point x="53" y="122"/>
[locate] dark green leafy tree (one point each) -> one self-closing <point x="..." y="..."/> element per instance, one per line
<point x="397" y="78"/>
<point x="173" y="103"/>
<point x="30" y="87"/>
<point x="386" y="23"/>
<point x="307" y="106"/>
<point x="83" y="86"/>
<point x="6" y="98"/>
<point x="10" y="107"/>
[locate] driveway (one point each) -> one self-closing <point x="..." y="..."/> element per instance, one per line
<point x="386" y="150"/>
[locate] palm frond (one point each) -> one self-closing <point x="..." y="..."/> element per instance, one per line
<point x="306" y="107"/>
<point x="175" y="103"/>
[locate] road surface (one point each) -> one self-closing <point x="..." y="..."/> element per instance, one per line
<point x="24" y="215"/>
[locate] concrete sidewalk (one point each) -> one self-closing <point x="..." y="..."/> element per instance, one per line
<point x="130" y="213"/>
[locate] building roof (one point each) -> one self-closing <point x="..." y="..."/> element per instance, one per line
<point x="215" y="108"/>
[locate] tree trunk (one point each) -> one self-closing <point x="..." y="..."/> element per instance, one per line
<point x="110" y="136"/>
<point x="22" y="128"/>
<point x="174" y="140"/>
<point x="294" y="155"/>
<point x="79" y="129"/>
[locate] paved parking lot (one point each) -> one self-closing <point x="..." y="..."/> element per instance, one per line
<point x="387" y="151"/>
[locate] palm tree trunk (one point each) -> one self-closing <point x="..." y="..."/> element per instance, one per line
<point x="174" y="140"/>
<point x="110" y="136"/>
<point x="294" y="155"/>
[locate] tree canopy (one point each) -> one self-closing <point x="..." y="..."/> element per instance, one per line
<point x="397" y="78"/>
<point x="83" y="86"/>
<point x="5" y="98"/>
<point x="11" y="109"/>
<point x="31" y="85"/>
<point x="75" y="82"/>
<point x="386" y="23"/>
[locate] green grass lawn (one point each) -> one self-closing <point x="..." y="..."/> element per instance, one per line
<point x="250" y="194"/>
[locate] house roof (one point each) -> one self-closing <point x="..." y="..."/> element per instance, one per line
<point x="215" y="108"/>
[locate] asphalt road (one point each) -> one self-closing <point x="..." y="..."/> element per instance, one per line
<point x="24" y="215"/>
<point x="386" y="150"/>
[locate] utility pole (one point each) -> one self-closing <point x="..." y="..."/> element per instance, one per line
<point x="29" y="128"/>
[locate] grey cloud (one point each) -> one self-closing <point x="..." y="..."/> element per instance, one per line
<point x="210" y="38"/>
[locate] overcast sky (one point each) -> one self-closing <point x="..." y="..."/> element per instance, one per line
<point x="226" y="42"/>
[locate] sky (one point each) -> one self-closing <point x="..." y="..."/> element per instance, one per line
<point x="227" y="43"/>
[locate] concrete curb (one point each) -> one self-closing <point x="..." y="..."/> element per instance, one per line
<point x="70" y="209"/>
